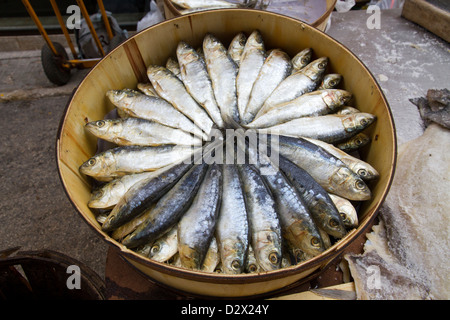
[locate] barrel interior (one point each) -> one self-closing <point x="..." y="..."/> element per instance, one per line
<point x="126" y="65"/>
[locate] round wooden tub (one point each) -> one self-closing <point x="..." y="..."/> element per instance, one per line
<point x="126" y="65"/>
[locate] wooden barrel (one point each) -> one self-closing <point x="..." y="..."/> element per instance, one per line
<point x="171" y="11"/>
<point x="126" y="65"/>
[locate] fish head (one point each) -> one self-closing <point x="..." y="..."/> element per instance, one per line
<point x="122" y="98"/>
<point x="335" y="98"/>
<point x="186" y="53"/>
<point x="100" y="128"/>
<point x="99" y="199"/>
<point x="330" y="219"/>
<point x="96" y="165"/>
<point x="302" y="58"/>
<point x="355" y="188"/>
<point x="255" y="40"/>
<point x="316" y="69"/>
<point x="331" y="80"/>
<point x="267" y="249"/>
<point x="348" y="215"/>
<point x="357" y="121"/>
<point x="232" y="256"/>
<point x="346" y="110"/>
<point x="154" y="72"/>
<point x="306" y="238"/>
<point x="365" y="171"/>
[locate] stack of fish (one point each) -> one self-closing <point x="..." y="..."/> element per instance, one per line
<point x="161" y="192"/>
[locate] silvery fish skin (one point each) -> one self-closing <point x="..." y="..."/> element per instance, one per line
<point x="141" y="195"/>
<point x="128" y="227"/>
<point x="346" y="210"/>
<point x="354" y="143"/>
<point x="236" y="47"/>
<point x="212" y="257"/>
<point x="364" y="170"/>
<point x="330" y="81"/>
<point x="232" y="231"/>
<point x="136" y="131"/>
<point x="147" y="89"/>
<point x="169" y="208"/>
<point x="301" y="60"/>
<point x="173" y="66"/>
<point x="330" y="128"/>
<point x="319" y="102"/>
<point x="330" y="172"/>
<point x="321" y="207"/>
<point x="223" y="72"/>
<point x="197" y="82"/>
<point x="297" y="224"/>
<point x="263" y="220"/>
<point x="196" y="4"/>
<point x="117" y="162"/>
<point x="347" y="110"/>
<point x="152" y="108"/>
<point x="165" y="247"/>
<point x="275" y="69"/>
<point x="196" y="227"/>
<point x="296" y="84"/>
<point x="109" y="194"/>
<point x="173" y="90"/>
<point x="252" y="60"/>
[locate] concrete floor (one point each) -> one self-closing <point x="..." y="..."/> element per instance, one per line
<point x="34" y="210"/>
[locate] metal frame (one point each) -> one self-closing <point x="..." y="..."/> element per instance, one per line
<point x="72" y="63"/>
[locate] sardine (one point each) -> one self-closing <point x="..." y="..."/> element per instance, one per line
<point x="330" y="81"/>
<point x="140" y="196"/>
<point x="347" y="110"/>
<point x="322" y="209"/>
<point x="275" y="69"/>
<point x="165" y="247"/>
<point x="147" y="89"/>
<point x="252" y="60"/>
<point x="173" y="90"/>
<point x="346" y="210"/>
<point x="263" y="220"/>
<point x="354" y="143"/>
<point x="329" y="128"/>
<point x="222" y="71"/>
<point x="197" y="82"/>
<point x="311" y="104"/>
<point x="108" y="195"/>
<point x="236" y="47"/>
<point x="152" y="108"/>
<point x="301" y="60"/>
<point x="212" y="257"/>
<point x="296" y="84"/>
<point x="169" y="208"/>
<point x="140" y="132"/>
<point x="252" y="265"/>
<point x="173" y="66"/>
<point x="128" y="227"/>
<point x="363" y="169"/>
<point x="296" y="222"/>
<point x="196" y="227"/>
<point x="119" y="161"/>
<point x="330" y="172"/>
<point x="232" y="230"/>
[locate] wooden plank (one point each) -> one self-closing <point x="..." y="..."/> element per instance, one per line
<point x="428" y="15"/>
<point x="345" y="291"/>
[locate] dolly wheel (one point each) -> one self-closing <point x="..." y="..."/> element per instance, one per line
<point x="53" y="68"/>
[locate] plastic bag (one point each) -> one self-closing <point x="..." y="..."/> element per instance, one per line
<point x="344" y="5"/>
<point x="86" y="43"/>
<point x="152" y="17"/>
<point x="387" y="4"/>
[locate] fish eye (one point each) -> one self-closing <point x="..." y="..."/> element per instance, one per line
<point x="253" y="267"/>
<point x="304" y="60"/>
<point x="274" y="258"/>
<point x="235" y="265"/>
<point x="358" y="141"/>
<point x="362" y="172"/>
<point x="333" y="223"/>
<point x="344" y="216"/>
<point x="91" y="161"/>
<point x="100" y="123"/>
<point x="333" y="83"/>
<point x="360" y="185"/>
<point x="321" y="65"/>
<point x="363" y="122"/>
<point x="98" y="194"/>
<point x="155" y="249"/>
<point x="315" y="242"/>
